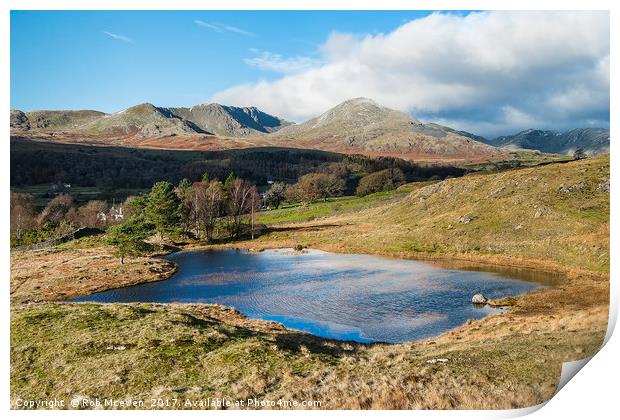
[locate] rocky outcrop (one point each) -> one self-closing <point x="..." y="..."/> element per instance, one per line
<point x="230" y="121"/>
<point x="19" y="120"/>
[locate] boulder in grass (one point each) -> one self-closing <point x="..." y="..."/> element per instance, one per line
<point x="479" y="299"/>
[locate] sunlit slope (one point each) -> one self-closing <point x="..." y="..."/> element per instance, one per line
<point x="361" y="125"/>
<point x="557" y="213"/>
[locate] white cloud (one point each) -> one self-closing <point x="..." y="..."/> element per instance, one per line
<point x="208" y="25"/>
<point x="119" y="37"/>
<point x="234" y="29"/>
<point x="221" y="27"/>
<point x="486" y="72"/>
<point x="266" y="60"/>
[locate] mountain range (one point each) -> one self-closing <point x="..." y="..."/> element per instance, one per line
<point x="147" y="121"/>
<point x="591" y="140"/>
<point x="357" y="125"/>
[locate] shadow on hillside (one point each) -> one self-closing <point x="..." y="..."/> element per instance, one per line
<point x="297" y="342"/>
<point x="265" y="230"/>
<point x="305" y="228"/>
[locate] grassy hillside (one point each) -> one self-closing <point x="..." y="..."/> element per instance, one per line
<point x="341" y="205"/>
<point x="145" y="119"/>
<point x="557" y="213"/>
<point x="192" y="352"/>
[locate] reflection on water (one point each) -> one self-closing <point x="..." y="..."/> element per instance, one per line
<point x="344" y="296"/>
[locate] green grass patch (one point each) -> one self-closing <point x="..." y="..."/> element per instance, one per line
<point x="302" y="212"/>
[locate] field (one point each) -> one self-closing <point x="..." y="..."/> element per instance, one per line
<point x="553" y="217"/>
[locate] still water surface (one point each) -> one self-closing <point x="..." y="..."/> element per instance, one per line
<point x="343" y="296"/>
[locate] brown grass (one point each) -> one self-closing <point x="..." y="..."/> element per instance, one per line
<point x="57" y="274"/>
<point x="144" y="351"/>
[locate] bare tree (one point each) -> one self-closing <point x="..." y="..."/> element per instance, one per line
<point x="22" y="214"/>
<point x="207" y="205"/>
<point x="56" y="209"/>
<point x="92" y="214"/>
<point x="242" y="198"/>
<point x="188" y="206"/>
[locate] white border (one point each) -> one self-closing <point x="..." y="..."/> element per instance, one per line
<point x="592" y="395"/>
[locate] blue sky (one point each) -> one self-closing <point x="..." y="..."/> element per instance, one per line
<point x="490" y="73"/>
<point x="69" y="60"/>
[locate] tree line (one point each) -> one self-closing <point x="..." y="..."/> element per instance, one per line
<point x="207" y="209"/>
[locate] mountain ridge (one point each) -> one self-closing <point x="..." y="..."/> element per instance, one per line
<point x="225" y="120"/>
<point x="147" y="120"/>
<point x="591" y="140"/>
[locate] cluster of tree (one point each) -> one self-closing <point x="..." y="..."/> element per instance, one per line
<point x="332" y="183"/>
<point x="385" y="180"/>
<point x="579" y="154"/>
<point x="315" y="186"/>
<point x="207" y="202"/>
<point x="197" y="209"/>
<point x="412" y="171"/>
<point x="58" y="217"/>
<point x="310" y="187"/>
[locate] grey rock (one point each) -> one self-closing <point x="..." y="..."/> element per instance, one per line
<point x="479" y="298"/>
<point x="603" y="186"/>
<point x="463" y="220"/>
<point x="19" y="120"/>
<point x="438" y="360"/>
